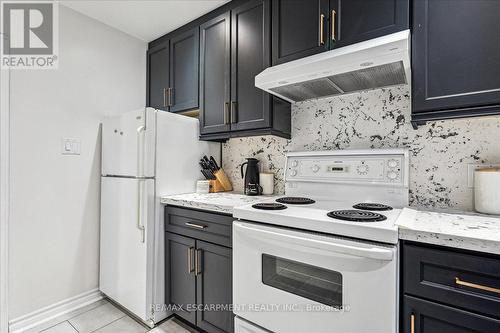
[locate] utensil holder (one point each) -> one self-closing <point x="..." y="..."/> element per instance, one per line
<point x="215" y="186"/>
<point x="223" y="180"/>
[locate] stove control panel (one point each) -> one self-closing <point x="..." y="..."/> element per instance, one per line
<point x="353" y="169"/>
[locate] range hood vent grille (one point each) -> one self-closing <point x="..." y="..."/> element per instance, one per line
<point x="362" y="79"/>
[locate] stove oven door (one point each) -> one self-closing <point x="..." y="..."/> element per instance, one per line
<point x="291" y="281"/>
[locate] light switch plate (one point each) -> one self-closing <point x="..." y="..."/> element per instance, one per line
<point x="472" y="167"/>
<point x="70" y="146"/>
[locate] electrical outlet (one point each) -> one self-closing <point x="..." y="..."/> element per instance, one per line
<point x="472" y="167"/>
<point x="70" y="146"/>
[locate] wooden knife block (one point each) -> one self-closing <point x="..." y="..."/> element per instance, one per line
<point x="221" y="184"/>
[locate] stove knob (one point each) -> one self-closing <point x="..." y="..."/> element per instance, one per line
<point x="363" y="169"/>
<point x="392" y="163"/>
<point x="392" y="175"/>
<point x="295" y="164"/>
<point x="315" y="168"/>
<point x="293" y="173"/>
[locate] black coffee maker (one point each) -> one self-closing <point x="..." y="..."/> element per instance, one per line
<point x="251" y="185"/>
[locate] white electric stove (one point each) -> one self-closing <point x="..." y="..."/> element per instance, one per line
<point x="325" y="254"/>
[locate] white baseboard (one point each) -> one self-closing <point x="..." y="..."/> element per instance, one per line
<point x="50" y="312"/>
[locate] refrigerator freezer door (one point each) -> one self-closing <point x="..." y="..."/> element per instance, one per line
<point x="127" y="218"/>
<point x="128" y="144"/>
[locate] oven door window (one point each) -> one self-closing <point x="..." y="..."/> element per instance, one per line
<point x="315" y="283"/>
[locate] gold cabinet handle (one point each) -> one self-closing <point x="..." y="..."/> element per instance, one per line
<point x="170" y="96"/>
<point x="334" y="13"/>
<point x="164" y="97"/>
<point x="321" y="29"/>
<point x="476" y="286"/>
<point x="197" y="263"/>
<point x="234" y="109"/>
<point x="226" y="113"/>
<point x="190" y="260"/>
<point x="412" y="323"/>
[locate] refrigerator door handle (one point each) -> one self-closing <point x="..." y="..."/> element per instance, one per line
<point x="140" y="150"/>
<point x="140" y="226"/>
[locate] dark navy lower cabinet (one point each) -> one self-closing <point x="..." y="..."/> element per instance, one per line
<point x="448" y="290"/>
<point x="455" y="59"/>
<point x="421" y="316"/>
<point x="198" y="268"/>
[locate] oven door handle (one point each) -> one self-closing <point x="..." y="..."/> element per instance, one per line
<point x="314" y="241"/>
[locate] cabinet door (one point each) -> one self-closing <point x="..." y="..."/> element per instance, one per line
<point x="158" y="76"/>
<point x="427" y="317"/>
<point x="214" y="287"/>
<point x="455" y="56"/>
<point x="179" y="275"/>
<point x="215" y="75"/>
<point x="184" y="59"/>
<point x="250" y="54"/>
<point x="353" y="21"/>
<point x="300" y="28"/>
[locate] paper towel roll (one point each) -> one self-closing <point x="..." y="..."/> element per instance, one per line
<point x="266" y="180"/>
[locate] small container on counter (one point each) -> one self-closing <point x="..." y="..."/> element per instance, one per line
<point x="266" y="181"/>
<point x="202" y="186"/>
<point x="487" y="190"/>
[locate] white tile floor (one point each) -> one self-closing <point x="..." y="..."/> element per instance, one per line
<point x="104" y="317"/>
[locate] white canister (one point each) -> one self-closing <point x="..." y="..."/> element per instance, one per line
<point x="487" y="190"/>
<point x="266" y="180"/>
<point x="202" y="186"/>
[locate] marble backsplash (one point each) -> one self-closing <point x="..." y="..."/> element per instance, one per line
<point x="439" y="151"/>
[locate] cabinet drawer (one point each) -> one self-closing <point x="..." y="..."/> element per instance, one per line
<point x="422" y="316"/>
<point x="462" y="279"/>
<point x="215" y="228"/>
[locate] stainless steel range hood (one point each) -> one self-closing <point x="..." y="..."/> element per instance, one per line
<point x="376" y="63"/>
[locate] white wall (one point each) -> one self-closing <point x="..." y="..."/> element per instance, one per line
<point x="54" y="230"/>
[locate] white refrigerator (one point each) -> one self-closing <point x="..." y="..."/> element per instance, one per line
<point x="145" y="154"/>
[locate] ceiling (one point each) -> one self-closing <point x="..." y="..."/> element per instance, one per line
<point x="144" y="19"/>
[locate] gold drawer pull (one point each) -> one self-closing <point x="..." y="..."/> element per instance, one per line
<point x="321" y="29"/>
<point x="197" y="263"/>
<point x="412" y="323"/>
<point x="197" y="226"/>
<point x="476" y="286"/>
<point x="190" y="262"/>
<point x="333" y="24"/>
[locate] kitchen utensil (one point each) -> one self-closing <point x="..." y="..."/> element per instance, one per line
<point x="214" y="162"/>
<point x="251" y="184"/>
<point x="487" y="190"/>
<point x="266" y="180"/>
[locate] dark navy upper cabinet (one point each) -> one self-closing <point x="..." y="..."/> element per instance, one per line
<point x="353" y="21"/>
<point x="455" y="59"/>
<point x="184" y="60"/>
<point x="215" y="76"/>
<point x="235" y="47"/>
<point x="172" y="70"/>
<point x="300" y="29"/>
<point x="305" y="27"/>
<point x="158" y="73"/>
<point x="250" y="54"/>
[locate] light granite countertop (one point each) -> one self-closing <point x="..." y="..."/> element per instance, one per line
<point x="222" y="202"/>
<point x="464" y="230"/>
